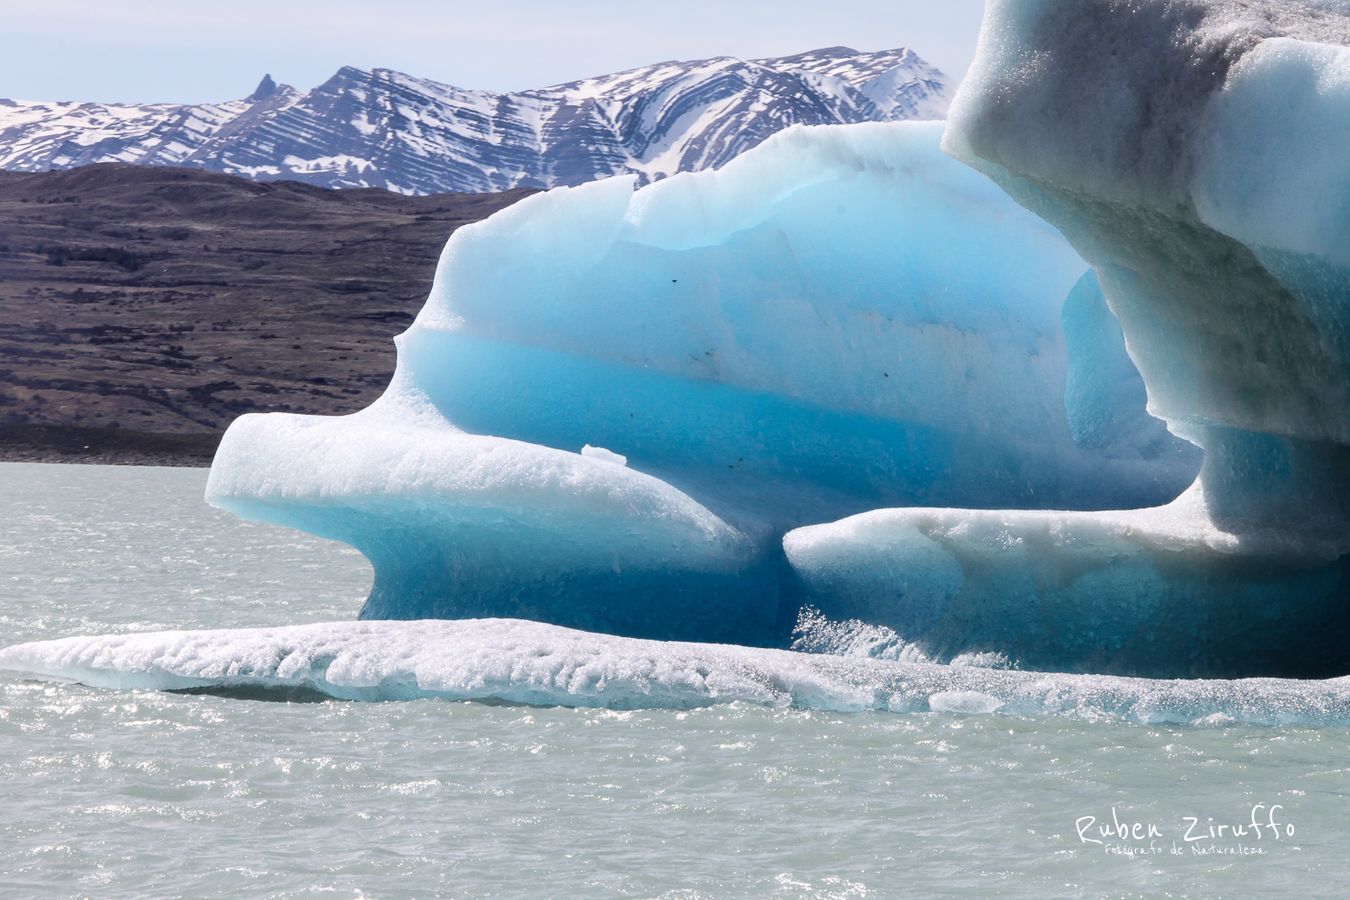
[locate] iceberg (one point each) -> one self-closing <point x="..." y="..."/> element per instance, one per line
<point x="950" y="383"/>
<point x="505" y="661"/>
<point x="1194" y="152"/>
<point x="616" y="402"/>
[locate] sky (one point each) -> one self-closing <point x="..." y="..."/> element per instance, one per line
<point x="188" y="51"/>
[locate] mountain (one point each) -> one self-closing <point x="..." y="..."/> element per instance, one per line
<point x="385" y="129"/>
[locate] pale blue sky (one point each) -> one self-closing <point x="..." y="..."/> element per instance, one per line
<point x="186" y="51"/>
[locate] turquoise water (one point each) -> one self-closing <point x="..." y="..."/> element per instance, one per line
<point x="137" y="793"/>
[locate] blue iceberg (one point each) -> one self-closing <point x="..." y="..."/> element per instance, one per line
<point x="853" y="372"/>
<point x="616" y="402"/>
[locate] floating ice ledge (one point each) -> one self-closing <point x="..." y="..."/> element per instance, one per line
<point x="532" y="663"/>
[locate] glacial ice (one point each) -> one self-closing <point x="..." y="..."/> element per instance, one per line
<point x="1195" y="153"/>
<point x="850" y="373"/>
<point x="513" y="661"/>
<point x="841" y="319"/>
<point x="1160" y="592"/>
<point x="604" y="455"/>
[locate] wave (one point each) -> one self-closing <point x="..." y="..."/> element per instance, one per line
<point x="513" y="661"/>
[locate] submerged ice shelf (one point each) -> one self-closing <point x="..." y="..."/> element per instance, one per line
<point x="533" y="663"/>
<point x="851" y="371"/>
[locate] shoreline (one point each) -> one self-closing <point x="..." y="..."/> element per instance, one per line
<point x="75" y="445"/>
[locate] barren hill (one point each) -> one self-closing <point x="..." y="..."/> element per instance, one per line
<point x="143" y="308"/>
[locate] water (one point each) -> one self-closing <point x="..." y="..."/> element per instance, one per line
<point x="136" y="793"/>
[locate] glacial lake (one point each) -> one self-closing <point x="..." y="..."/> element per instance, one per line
<point x="137" y="793"/>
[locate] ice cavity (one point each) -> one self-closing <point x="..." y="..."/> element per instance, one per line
<point x="841" y="319"/>
<point x="533" y="663"/>
<point x="1195" y="153"/>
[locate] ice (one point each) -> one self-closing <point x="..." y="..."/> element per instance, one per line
<point x="604" y="455"/>
<point x="842" y="319"/>
<point x="848" y="372"/>
<point x="1104" y="396"/>
<point x="1159" y="592"/>
<point x="1284" y="111"/>
<point x="510" y="524"/>
<point x="500" y="660"/>
<point x="1194" y="153"/>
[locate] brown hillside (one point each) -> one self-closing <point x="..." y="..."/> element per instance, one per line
<point x="143" y="308"/>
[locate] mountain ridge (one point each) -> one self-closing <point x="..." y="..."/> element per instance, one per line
<point x="387" y="129"/>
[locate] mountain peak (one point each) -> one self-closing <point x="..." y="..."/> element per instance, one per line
<point x="388" y="129"/>
<point x="266" y="88"/>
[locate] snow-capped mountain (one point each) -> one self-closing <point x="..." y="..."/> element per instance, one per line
<point x="385" y="129"/>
